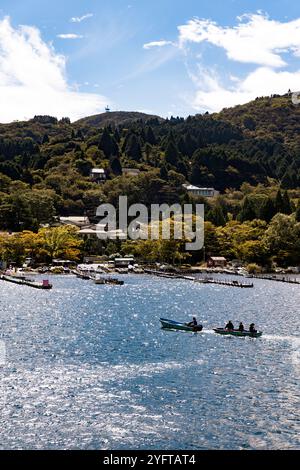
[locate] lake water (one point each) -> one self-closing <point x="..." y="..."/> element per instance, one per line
<point x="88" y="366"/>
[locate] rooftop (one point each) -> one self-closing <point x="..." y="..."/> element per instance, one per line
<point x="98" y="170"/>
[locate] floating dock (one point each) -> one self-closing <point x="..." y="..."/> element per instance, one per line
<point x="205" y="280"/>
<point x="231" y="283"/>
<point x="98" y="280"/>
<point x="27" y="282"/>
<point x="275" y="278"/>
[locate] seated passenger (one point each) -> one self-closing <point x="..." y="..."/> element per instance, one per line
<point x="193" y="322"/>
<point x="252" y="328"/>
<point x="241" y="327"/>
<point x="229" y="326"/>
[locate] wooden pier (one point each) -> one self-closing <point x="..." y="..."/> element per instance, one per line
<point x="26" y="282"/>
<point x="275" y="278"/>
<point x="205" y="280"/>
<point x="226" y="282"/>
<point x="98" y="280"/>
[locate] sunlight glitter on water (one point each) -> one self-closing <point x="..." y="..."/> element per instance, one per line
<point x="90" y="367"/>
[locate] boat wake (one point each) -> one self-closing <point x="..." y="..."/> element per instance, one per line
<point x="295" y="340"/>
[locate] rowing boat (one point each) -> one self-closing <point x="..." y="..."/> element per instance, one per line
<point x="223" y="331"/>
<point x="176" y="325"/>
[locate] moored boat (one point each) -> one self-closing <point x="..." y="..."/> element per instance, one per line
<point x="175" y="325"/>
<point x="223" y="331"/>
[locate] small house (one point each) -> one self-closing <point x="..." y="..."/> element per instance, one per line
<point x="197" y="191"/>
<point x="216" y="262"/>
<point x="98" y="175"/>
<point x="124" y="262"/>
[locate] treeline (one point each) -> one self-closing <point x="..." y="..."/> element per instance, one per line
<point x="45" y="163"/>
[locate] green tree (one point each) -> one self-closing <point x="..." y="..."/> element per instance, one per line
<point x="247" y="211"/>
<point x="267" y="209"/>
<point x="108" y="144"/>
<point x="171" y="154"/>
<point x="133" y="148"/>
<point x="59" y="242"/>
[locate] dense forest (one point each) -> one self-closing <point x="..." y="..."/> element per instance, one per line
<point x="250" y="153"/>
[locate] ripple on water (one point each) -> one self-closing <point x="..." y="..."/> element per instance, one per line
<point x="89" y="367"/>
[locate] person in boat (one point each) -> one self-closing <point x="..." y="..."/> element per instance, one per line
<point x="229" y="326"/>
<point x="193" y="322"/>
<point x="252" y="328"/>
<point x="241" y="327"/>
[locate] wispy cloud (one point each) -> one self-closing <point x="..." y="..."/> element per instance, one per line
<point x="70" y="36"/>
<point x="163" y="43"/>
<point x="212" y="95"/>
<point x="79" y="19"/>
<point x="266" y="45"/>
<point x="256" y="39"/>
<point x="33" y="79"/>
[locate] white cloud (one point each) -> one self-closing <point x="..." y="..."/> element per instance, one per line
<point x="69" y="36"/>
<point x="33" y="79"/>
<point x="256" y="39"/>
<point x="79" y="19"/>
<point x="149" y="45"/>
<point x="263" y="81"/>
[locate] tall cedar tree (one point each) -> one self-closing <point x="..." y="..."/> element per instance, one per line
<point x="247" y="211"/>
<point x="267" y="210"/>
<point x="172" y="154"/>
<point x="115" y="166"/>
<point x="133" y="148"/>
<point x="108" y="144"/>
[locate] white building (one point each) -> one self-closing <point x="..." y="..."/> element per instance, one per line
<point x="77" y="221"/>
<point x="98" y="175"/>
<point x="204" y="192"/>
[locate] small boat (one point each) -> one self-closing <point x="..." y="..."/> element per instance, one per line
<point x="223" y="331"/>
<point x="176" y="325"/>
<point x="111" y="281"/>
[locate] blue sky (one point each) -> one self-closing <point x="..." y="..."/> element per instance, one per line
<point x="164" y="56"/>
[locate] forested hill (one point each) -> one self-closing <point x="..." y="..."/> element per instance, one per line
<point x="273" y="117"/>
<point x="50" y="160"/>
<point x="115" y="118"/>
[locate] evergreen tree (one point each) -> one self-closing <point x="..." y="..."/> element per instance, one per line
<point x="196" y="173"/>
<point x="279" y="206"/>
<point x="289" y="179"/>
<point x="108" y="144"/>
<point x="133" y="148"/>
<point x="216" y="216"/>
<point x="148" y="151"/>
<point x="181" y="146"/>
<point x="283" y="203"/>
<point x="116" y="166"/>
<point x="117" y="135"/>
<point x="45" y="139"/>
<point x="164" y="172"/>
<point x="172" y="154"/>
<point x="247" y="211"/>
<point x="287" y="205"/>
<point x="150" y="137"/>
<point x="79" y="134"/>
<point x="190" y="145"/>
<point x="267" y="210"/>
